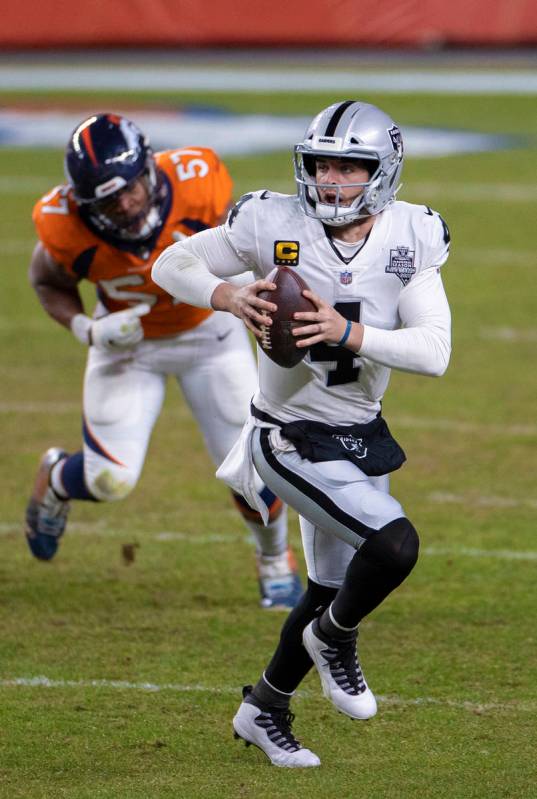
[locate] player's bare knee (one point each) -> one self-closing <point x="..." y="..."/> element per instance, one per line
<point x="111" y="485"/>
<point x="395" y="546"/>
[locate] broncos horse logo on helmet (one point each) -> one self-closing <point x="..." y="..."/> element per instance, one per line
<point x="107" y="154"/>
<point x="355" y="130"/>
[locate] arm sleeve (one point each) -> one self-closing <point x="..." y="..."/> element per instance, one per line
<point x="191" y="269"/>
<point x="423" y="343"/>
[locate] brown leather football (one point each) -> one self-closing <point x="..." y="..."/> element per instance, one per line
<point x="277" y="342"/>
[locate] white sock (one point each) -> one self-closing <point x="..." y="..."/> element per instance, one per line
<point x="56" y="480"/>
<point x="272" y="539"/>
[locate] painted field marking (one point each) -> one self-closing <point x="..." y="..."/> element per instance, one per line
<point x="24" y="184"/>
<point x="509" y="334"/>
<point x="482" y="192"/>
<point x="494" y="501"/>
<point x="470" y="552"/>
<point x="454" y="426"/>
<point x="224" y="79"/>
<point x="422" y="701"/>
<point x="489" y="192"/>
<point x="98" y="529"/>
<point x="404" y="421"/>
<point x="17" y="246"/>
<point x="211" y="538"/>
<point x="49" y="408"/>
<point x="7" y="528"/>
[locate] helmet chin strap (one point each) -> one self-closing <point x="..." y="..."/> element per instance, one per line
<point x="337" y="215"/>
<point x="325" y="214"/>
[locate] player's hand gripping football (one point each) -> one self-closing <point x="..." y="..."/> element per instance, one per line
<point x="120" y="330"/>
<point x="325" y="324"/>
<point x="244" y="303"/>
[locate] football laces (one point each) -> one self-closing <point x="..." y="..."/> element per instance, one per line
<point x="266" y="343"/>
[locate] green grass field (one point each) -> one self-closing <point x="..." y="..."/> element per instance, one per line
<point x="451" y="655"/>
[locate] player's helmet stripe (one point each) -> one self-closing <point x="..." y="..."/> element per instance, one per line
<point x="86" y="138"/>
<point x="336" y="116"/>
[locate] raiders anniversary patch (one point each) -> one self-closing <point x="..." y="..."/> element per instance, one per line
<point x="402" y="264"/>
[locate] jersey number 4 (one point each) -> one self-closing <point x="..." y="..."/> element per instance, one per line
<point x="345" y="370"/>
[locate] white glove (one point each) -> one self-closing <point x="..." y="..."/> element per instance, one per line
<point x="116" y="331"/>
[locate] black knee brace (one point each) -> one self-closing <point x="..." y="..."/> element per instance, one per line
<point x="395" y="546"/>
<point x="379" y="566"/>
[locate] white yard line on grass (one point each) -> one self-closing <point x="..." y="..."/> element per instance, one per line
<point x="167" y="536"/>
<point x="396" y="701"/>
<point x="510" y="335"/>
<point x="489" y="192"/>
<point x="22" y="184"/>
<point x="211" y="538"/>
<point x="469" y="500"/>
<point x="49" y="408"/>
<point x="470" y="552"/>
<point x="404" y="421"/>
<point x="481" y="192"/>
<point x="454" y="426"/>
<point x="17" y="246"/>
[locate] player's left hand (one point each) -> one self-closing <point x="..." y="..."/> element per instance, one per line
<point x="120" y="330"/>
<point x="324" y="324"/>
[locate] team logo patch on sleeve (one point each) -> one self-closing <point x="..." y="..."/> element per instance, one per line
<point x="402" y="264"/>
<point x="286" y="253"/>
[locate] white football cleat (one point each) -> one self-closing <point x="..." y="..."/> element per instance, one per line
<point x="270" y="731"/>
<point x="279" y="582"/>
<point x="342" y="680"/>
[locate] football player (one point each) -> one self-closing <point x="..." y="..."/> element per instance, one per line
<point x="316" y="435"/>
<point x="120" y="208"/>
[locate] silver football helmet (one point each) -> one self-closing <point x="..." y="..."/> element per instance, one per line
<point x="350" y="129"/>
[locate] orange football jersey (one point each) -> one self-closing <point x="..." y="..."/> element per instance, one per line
<point x="200" y="191"/>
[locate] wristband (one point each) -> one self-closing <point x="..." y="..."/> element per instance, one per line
<point x="346" y="334"/>
<point x="81" y="328"/>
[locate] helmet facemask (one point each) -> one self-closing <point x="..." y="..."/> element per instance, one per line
<point x="340" y="212"/>
<point x="106" y="216"/>
<point x="350" y="130"/>
<point x="106" y="155"/>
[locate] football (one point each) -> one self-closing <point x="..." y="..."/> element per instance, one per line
<point x="277" y="341"/>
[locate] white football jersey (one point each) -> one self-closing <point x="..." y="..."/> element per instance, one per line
<point x="332" y="384"/>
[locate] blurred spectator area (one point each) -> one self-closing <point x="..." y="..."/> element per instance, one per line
<point x="427" y="24"/>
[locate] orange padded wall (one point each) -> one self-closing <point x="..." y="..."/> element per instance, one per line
<point x="286" y="23"/>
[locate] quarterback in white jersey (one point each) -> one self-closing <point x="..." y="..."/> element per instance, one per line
<point x="316" y="436"/>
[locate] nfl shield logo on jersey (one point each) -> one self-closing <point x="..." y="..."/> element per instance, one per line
<point x="345" y="278"/>
<point x="402" y="264"/>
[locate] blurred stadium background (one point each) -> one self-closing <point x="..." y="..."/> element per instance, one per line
<point x="119" y="676"/>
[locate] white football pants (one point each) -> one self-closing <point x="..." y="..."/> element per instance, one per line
<point x="338" y="504"/>
<point x="124" y="391"/>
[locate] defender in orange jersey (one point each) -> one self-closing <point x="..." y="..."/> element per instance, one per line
<point x="120" y="208"/>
